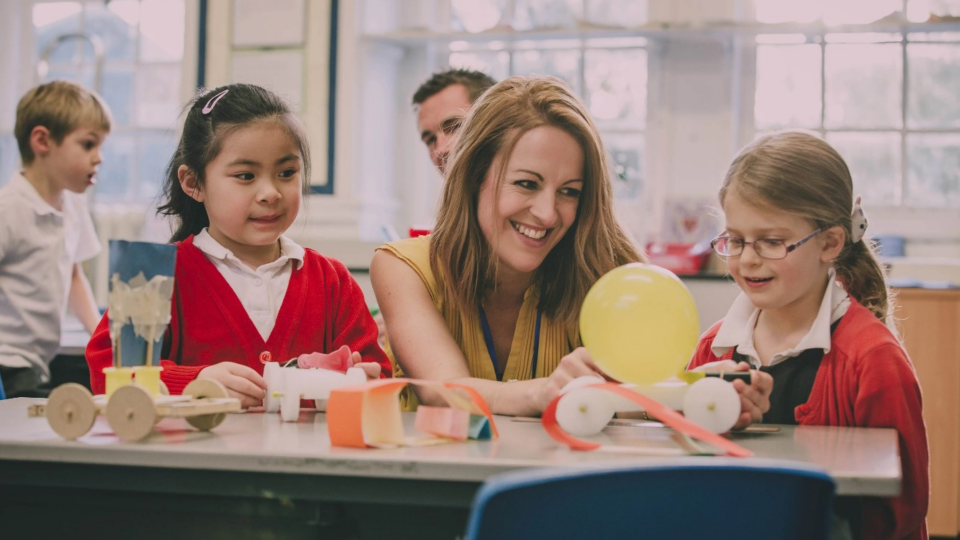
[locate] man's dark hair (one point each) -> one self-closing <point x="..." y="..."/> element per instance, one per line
<point x="476" y="83"/>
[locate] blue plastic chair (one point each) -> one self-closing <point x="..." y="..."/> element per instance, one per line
<point x="683" y="498"/>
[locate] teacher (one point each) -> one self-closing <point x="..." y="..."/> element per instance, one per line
<point x="525" y="227"/>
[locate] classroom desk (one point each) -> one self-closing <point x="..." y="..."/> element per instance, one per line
<point x="254" y="460"/>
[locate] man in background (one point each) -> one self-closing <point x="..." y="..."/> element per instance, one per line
<point x="441" y="102"/>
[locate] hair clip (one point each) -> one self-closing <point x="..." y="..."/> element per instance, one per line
<point x="213" y="102"/>
<point x="858" y="222"/>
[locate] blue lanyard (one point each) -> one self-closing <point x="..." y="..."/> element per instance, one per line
<point x="488" y="338"/>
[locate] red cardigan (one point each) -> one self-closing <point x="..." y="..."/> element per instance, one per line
<point x="867" y="380"/>
<point x="323" y="310"/>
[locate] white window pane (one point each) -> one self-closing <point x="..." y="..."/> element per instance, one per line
<point x="157" y="102"/>
<point x="493" y="63"/>
<point x="626" y="153"/>
<point x="562" y="64"/>
<point x="477" y="15"/>
<point x="616" y="83"/>
<point x="934" y="78"/>
<point x="781" y="11"/>
<point x="951" y="37"/>
<point x="84" y="74"/>
<point x="154" y="150"/>
<point x="543" y="44"/>
<point x="862" y="37"/>
<point x="117" y="89"/>
<point x="51" y="20"/>
<point x="116" y="173"/>
<point x="9" y="157"/>
<point x="874" y="161"/>
<point x="624" y="13"/>
<point x="788" y="86"/>
<point x="536" y="14"/>
<point x="933" y="170"/>
<point x="115" y="25"/>
<point x="161" y="30"/>
<point x="863" y="86"/>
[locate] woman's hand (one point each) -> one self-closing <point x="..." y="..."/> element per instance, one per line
<point x="240" y="381"/>
<point x="371" y="369"/>
<point x="576" y="364"/>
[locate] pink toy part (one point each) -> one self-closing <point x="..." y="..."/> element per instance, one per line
<point x="338" y="360"/>
<point x="443" y="422"/>
<point x="668" y="416"/>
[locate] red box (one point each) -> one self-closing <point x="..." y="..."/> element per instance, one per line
<point x="681" y="259"/>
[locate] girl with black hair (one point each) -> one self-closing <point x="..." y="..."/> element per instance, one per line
<point x="242" y="288"/>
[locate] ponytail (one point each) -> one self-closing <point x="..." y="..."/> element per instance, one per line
<point x="859" y="269"/>
<point x="191" y="215"/>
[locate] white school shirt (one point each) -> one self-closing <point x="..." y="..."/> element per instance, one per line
<point x="39" y="246"/>
<point x="261" y="291"/>
<point x="737" y="327"/>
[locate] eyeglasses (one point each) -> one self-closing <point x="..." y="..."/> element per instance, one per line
<point x="768" y="248"/>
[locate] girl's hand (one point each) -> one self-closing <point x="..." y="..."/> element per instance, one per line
<point x="576" y="364"/>
<point x="240" y="381"/>
<point x="371" y="369"/>
<point x="754" y="397"/>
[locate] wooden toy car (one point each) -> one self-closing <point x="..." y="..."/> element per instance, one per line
<point x="132" y="410"/>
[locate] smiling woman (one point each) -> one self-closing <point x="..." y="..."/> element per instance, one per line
<point x="525" y="227"/>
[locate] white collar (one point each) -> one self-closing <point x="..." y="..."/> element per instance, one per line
<point x="289" y="250"/>
<point x="737" y="327"/>
<point x="19" y="184"/>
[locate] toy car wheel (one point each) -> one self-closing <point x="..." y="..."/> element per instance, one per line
<point x="71" y="410"/>
<point x="274" y="378"/>
<point x="202" y="389"/>
<point x="712" y="403"/>
<point x="131" y="413"/>
<point x="290" y="407"/>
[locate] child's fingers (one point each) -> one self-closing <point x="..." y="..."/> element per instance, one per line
<point x="248" y="374"/>
<point x="753" y="404"/>
<point x="370" y="369"/>
<point x="244" y="388"/>
<point x="355" y="358"/>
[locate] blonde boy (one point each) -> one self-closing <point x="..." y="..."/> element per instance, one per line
<point x="46" y="229"/>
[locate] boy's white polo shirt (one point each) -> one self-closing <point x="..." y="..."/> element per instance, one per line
<point x="39" y="247"/>
<point x="738" y="326"/>
<point x="261" y="291"/>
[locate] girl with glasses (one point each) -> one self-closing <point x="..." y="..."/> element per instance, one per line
<point x="812" y="315"/>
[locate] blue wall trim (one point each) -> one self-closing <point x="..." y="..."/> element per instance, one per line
<point x="327" y="189"/>
<point x="202" y="46"/>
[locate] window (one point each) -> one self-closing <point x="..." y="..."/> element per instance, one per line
<point x="885" y="100"/>
<point x="131" y="52"/>
<point x="609" y="74"/>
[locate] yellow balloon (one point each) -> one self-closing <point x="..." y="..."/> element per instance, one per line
<point x="639" y="324"/>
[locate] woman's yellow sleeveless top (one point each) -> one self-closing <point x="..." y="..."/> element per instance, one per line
<point x="556" y="341"/>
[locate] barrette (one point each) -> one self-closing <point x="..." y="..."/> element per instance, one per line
<point x="213" y="102"/>
<point x="858" y="222"/>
